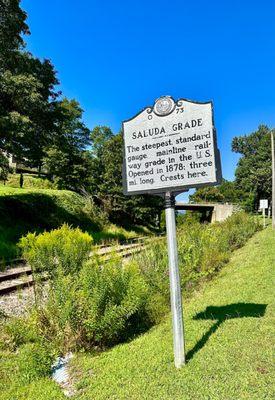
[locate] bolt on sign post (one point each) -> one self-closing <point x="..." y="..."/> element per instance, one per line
<point x="263" y="207"/>
<point x="169" y="148"/>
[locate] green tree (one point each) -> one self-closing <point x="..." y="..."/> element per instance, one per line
<point x="12" y="26"/>
<point x="106" y="186"/>
<point x="66" y="160"/>
<point x="253" y="172"/>
<point x="27" y="92"/>
<point x="99" y="136"/>
<point x="26" y="117"/>
<point x="225" y="192"/>
<point x="208" y="195"/>
<point x="34" y="124"/>
<point x="4" y="167"/>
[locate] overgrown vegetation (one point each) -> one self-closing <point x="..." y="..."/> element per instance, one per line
<point x="229" y="332"/>
<point x="64" y="248"/>
<point x="203" y="250"/>
<point x="88" y="305"/>
<point x="26" y="359"/>
<point x="91" y="305"/>
<point x="36" y="210"/>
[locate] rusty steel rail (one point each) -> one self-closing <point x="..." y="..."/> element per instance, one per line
<point x="21" y="277"/>
<point x="12" y="285"/>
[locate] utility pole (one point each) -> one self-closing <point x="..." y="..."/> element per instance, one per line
<point x="273" y="179"/>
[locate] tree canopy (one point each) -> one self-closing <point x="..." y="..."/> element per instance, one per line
<point x="226" y="192"/>
<point x="32" y="116"/>
<point x="106" y="182"/>
<point x="12" y="27"/>
<point x="252" y="176"/>
<point x="41" y="128"/>
<point x="253" y="172"/>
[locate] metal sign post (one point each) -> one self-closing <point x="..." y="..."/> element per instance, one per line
<point x="169" y="148"/>
<point x="175" y="288"/>
<point x="264" y="217"/>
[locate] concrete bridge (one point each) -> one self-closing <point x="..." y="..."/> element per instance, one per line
<point x="212" y="212"/>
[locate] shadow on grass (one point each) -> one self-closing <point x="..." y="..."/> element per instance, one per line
<point x="222" y="314"/>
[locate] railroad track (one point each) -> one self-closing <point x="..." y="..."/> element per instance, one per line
<point x="20" y="277"/>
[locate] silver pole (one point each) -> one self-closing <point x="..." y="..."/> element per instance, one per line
<point x="273" y="179"/>
<point x="175" y="288"/>
<point x="264" y="217"/>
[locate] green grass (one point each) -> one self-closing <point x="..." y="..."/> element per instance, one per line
<point x="228" y="346"/>
<point x="30" y="181"/>
<point x="229" y="334"/>
<point x="117" y="233"/>
<point x="42" y="389"/>
<point x="35" y="210"/>
<point x="24" y="210"/>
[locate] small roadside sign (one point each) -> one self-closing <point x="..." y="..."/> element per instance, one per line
<point x="263" y="204"/>
<point x="263" y="207"/>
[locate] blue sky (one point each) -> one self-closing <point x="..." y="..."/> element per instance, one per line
<point x="116" y="57"/>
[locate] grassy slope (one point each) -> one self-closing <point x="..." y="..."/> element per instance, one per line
<point x="24" y="210"/>
<point x="30" y="181"/>
<point x="230" y="360"/>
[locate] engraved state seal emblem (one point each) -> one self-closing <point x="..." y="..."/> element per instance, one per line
<point x="164" y="105"/>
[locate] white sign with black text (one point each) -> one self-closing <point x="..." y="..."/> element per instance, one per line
<point x="170" y="146"/>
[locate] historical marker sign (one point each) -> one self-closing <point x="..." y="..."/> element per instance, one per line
<point x="170" y="147"/>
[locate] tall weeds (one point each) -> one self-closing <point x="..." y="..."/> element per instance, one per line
<point x="88" y="304"/>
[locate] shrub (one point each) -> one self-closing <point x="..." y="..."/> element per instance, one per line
<point x="239" y="228"/>
<point x="65" y="247"/>
<point x="84" y="303"/>
<point x="202" y="250"/>
<point x="153" y="265"/>
<point x="30" y="362"/>
<point x="18" y="331"/>
<point x="99" y="306"/>
<point x="57" y="315"/>
<point x="89" y="303"/>
<point x="112" y="300"/>
<point x="34" y="361"/>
